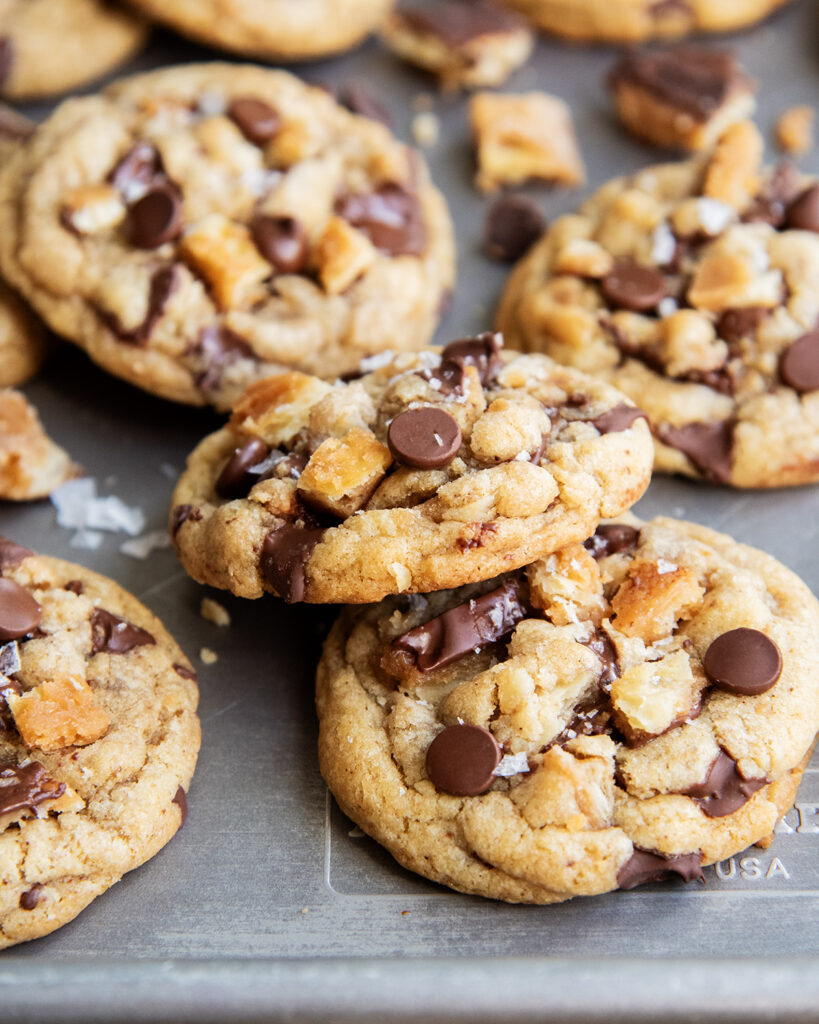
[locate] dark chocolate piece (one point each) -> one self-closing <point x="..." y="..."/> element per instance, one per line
<point x="724" y="789"/>
<point x="181" y="514"/>
<point x="643" y="867"/>
<point x="458" y="22"/>
<point x="461" y="760"/>
<point x="25" y="787"/>
<point x="803" y="213"/>
<point x="621" y="417"/>
<point x="770" y="204"/>
<point x="357" y="96"/>
<point x="482" y="352"/>
<point x="285" y="553"/>
<point x="708" y="445"/>
<point x="163" y="284"/>
<point x="256" y="120"/>
<point x="737" y="324"/>
<point x="138" y="170"/>
<point x="799" y="365"/>
<point x="424" y="438"/>
<point x="112" y="635"/>
<point x="11" y="553"/>
<point x="743" y="661"/>
<point x="156" y="218"/>
<point x="19" y="612"/>
<point x="611" y="538"/>
<point x="633" y="286"/>
<point x="218" y="348"/>
<point x="391" y="217"/>
<point x="180" y="798"/>
<point x="184" y="671"/>
<point x="512" y="226"/>
<point x="282" y="241"/>
<point x="31" y="897"/>
<point x="236" y="478"/>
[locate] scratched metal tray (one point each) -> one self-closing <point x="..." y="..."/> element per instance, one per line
<point x="269" y="905"/>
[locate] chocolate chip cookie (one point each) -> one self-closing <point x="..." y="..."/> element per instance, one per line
<point x="23" y="343"/>
<point x="625" y="710"/>
<point x="692" y="288"/>
<point x="197" y="228"/>
<point x="635" y="20"/>
<point x="271" y="29"/>
<point x="51" y="46"/>
<point x="433" y="469"/>
<point x="98" y="739"/>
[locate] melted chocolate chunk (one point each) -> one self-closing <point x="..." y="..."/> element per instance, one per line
<point x="137" y="171"/>
<point x="634" y="287"/>
<point x="184" y="671"/>
<point x="19" y="612"/>
<point x="180" y="798"/>
<point x="458" y="22"/>
<point x="391" y="217"/>
<point x="799" y="365"/>
<point x="237" y="476"/>
<point x="424" y="438"/>
<point x="163" y="284"/>
<point x="743" y="661"/>
<point x="181" y="514"/>
<point x="621" y="417"/>
<point x="75" y="586"/>
<point x="447" y="637"/>
<point x="218" y="348"/>
<point x="256" y="120"/>
<point x="282" y="241"/>
<point x="770" y="205"/>
<point x="31" y="897"/>
<point x="512" y="226"/>
<point x="461" y="760"/>
<point x="593" y="715"/>
<point x="803" y="213"/>
<point x="708" y="445"/>
<point x="735" y="325"/>
<point x="724" y="789"/>
<point x="612" y="538"/>
<point x="359" y="98"/>
<point x="692" y="79"/>
<point x="156" y="218"/>
<point x="25" y="787"/>
<point x="482" y="352"/>
<point x="8" y="688"/>
<point x="112" y="635"/>
<point x="605" y="650"/>
<point x="11" y="553"/>
<point x="643" y="867"/>
<point x="6" y="59"/>
<point x="285" y="553"/>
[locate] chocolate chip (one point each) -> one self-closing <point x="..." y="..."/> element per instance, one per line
<point x="391" y="217"/>
<point x="285" y="553"/>
<point x="75" y="586"/>
<point x="708" y="445"/>
<point x="256" y="120"/>
<point x="112" y="635"/>
<point x="184" y="671"/>
<point x="156" y="218"/>
<point x="11" y="553"/>
<point x="464" y="628"/>
<point x="181" y="800"/>
<point x="633" y="286"/>
<point x="643" y="867"/>
<point x="6" y="59"/>
<point x="621" y="417"/>
<point x="457" y="22"/>
<point x="25" y="787"/>
<point x="19" y="612"/>
<point x="743" y="661"/>
<point x="512" y="226"/>
<point x="137" y="171"/>
<point x="605" y="650"/>
<point x="799" y="365"/>
<point x="770" y="204"/>
<point x="424" y="438"/>
<point x="611" y="539"/>
<point x="724" y="789"/>
<point x="482" y="352"/>
<point x="358" y="98"/>
<point x="163" y="284"/>
<point x="461" y="760"/>
<point x="282" y="241"/>
<point x="31" y="897"/>
<point x="803" y="213"/>
<point x="236" y="480"/>
<point x="217" y="348"/>
<point x="181" y="514"/>
<point x="735" y="325"/>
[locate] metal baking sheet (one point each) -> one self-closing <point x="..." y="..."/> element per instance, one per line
<point x="269" y="905"/>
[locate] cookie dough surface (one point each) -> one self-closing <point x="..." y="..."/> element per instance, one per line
<point x="98" y="739"/>
<point x="635" y="20"/>
<point x="577" y="726"/>
<point x="23" y="343"/>
<point x="51" y="46"/>
<point x="435" y="469"/>
<point x="271" y="29"/>
<point x="197" y="228"/>
<point x="692" y="287"/>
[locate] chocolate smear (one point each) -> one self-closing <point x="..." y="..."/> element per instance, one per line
<point x="461" y="760"/>
<point x="621" y="417"/>
<point x="724" y="790"/>
<point x="612" y="538"/>
<point x="285" y="553"/>
<point x="643" y="867"/>
<point x="112" y="635"/>
<point x="708" y="445"/>
<point x="458" y="22"/>
<point x="181" y="514"/>
<point x="25" y="787"/>
<point x="391" y="217"/>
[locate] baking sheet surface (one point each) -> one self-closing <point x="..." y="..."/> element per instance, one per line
<point x="266" y="866"/>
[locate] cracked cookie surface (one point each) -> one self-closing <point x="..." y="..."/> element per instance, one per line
<point x="197" y="228"/>
<point x="634" y="20"/>
<point x="434" y="469"/>
<point x="692" y="287"/>
<point x="622" y="711"/>
<point x="51" y="46"/>
<point x="98" y="739"/>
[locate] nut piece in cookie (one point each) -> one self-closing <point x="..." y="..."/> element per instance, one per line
<point x="683" y="97"/>
<point x="524" y="137"/>
<point x="31" y="464"/>
<point x="467" y="44"/>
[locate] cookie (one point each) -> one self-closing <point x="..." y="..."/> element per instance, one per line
<point x="434" y="469"/>
<point x="466" y="44"/>
<point x="52" y="46"/>
<point x="622" y="711"/>
<point x="31" y="464"/>
<point x="635" y="20"/>
<point x="197" y="228"/>
<point x="683" y="97"/>
<point x="271" y="29"/>
<point x="692" y="288"/>
<point x="98" y="739"/>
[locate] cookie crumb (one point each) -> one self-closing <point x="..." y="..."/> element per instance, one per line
<point x="426" y="129"/>
<point x="208" y="656"/>
<point x="214" y="612"/>
<point x="794" y="129"/>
